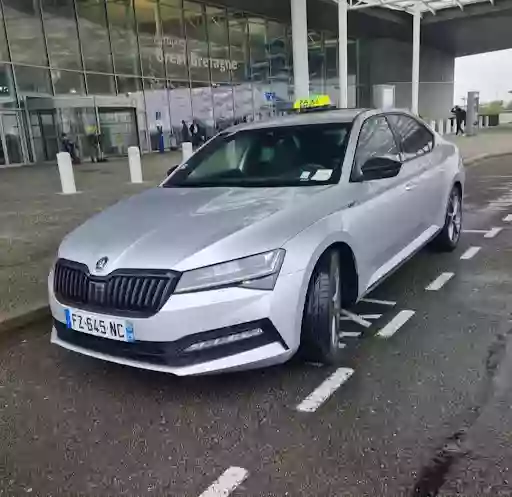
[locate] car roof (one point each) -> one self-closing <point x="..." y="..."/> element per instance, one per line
<point x="316" y="117"/>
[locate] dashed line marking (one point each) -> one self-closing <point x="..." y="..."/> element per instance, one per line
<point x="318" y="396"/>
<point x="439" y="282"/>
<point x="493" y="232"/>
<point x="508" y="218"/>
<point x="226" y="483"/>
<point x="396" y="323"/>
<point x="350" y="334"/>
<point x="363" y="316"/>
<point x="470" y="253"/>
<point x="357" y="319"/>
<point x="377" y="301"/>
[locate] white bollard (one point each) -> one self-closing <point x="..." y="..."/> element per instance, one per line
<point x="433" y="125"/>
<point x="448" y="127"/>
<point x="134" y="164"/>
<point x="486" y="121"/>
<point x="187" y="150"/>
<point x="67" y="178"/>
<point x="440" y="124"/>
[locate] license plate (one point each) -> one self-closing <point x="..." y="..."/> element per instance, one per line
<point x="114" y="329"/>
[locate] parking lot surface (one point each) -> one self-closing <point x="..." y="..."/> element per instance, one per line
<point x="421" y="405"/>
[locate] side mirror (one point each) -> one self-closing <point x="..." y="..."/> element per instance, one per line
<point x="380" y="168"/>
<point x="172" y="169"/>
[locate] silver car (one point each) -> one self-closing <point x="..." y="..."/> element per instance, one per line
<point x="246" y="253"/>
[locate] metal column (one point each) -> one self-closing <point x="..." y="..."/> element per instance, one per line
<point x="300" y="48"/>
<point x="416" y="31"/>
<point x="343" y="52"/>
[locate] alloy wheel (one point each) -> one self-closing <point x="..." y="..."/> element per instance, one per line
<point x="335" y="300"/>
<point x="454" y="216"/>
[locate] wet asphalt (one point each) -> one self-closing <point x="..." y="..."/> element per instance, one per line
<point x="427" y="412"/>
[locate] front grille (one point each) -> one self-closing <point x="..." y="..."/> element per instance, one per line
<point x="123" y="292"/>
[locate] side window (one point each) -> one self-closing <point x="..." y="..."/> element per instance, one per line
<point x="415" y="138"/>
<point x="375" y="140"/>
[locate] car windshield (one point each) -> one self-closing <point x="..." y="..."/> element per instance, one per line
<point x="281" y="156"/>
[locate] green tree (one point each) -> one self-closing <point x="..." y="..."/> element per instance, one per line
<point x="494" y="107"/>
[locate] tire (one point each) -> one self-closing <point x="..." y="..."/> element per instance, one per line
<point x="449" y="237"/>
<point x="320" y="340"/>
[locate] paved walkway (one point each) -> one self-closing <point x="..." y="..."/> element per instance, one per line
<point x="34" y="217"/>
<point x="494" y="141"/>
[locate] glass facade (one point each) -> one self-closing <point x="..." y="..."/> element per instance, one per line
<point x="129" y="72"/>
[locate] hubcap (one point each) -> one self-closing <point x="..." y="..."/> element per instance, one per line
<point x="454" y="217"/>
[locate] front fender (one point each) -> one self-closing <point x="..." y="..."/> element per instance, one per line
<point x="305" y="249"/>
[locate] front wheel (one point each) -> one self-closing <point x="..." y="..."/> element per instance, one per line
<point x="320" y="340"/>
<point x="449" y="237"/>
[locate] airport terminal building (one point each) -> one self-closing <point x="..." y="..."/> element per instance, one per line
<point x="126" y="69"/>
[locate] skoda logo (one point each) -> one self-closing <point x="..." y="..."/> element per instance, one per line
<point x="101" y="264"/>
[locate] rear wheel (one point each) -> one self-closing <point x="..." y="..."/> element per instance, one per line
<point x="320" y="341"/>
<point x="449" y="237"/>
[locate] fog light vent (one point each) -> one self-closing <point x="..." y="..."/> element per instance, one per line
<point x="216" y="342"/>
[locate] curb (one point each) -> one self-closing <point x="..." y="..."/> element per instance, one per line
<point x="478" y="158"/>
<point x="24" y="318"/>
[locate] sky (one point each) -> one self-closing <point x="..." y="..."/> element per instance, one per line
<point x="489" y="73"/>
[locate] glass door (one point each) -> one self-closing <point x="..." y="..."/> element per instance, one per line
<point x="118" y="130"/>
<point x="45" y="134"/>
<point x="12" y="139"/>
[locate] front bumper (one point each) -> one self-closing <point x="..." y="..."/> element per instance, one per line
<point x="161" y="340"/>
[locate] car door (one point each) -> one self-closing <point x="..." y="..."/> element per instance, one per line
<point x="381" y="224"/>
<point x="417" y="143"/>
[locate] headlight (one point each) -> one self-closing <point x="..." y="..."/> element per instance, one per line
<point x="257" y="271"/>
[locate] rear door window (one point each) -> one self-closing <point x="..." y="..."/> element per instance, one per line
<point x="416" y="139"/>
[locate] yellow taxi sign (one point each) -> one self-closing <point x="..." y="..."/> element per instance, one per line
<point x="312" y="102"/>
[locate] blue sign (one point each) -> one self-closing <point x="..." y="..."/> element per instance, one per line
<point x="270" y="96"/>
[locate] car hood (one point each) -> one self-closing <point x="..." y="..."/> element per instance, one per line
<point x="182" y="228"/>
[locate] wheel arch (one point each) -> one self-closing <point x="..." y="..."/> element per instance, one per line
<point x="348" y="264"/>
<point x="457" y="184"/>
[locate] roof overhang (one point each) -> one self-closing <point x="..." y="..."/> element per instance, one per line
<point x="411" y="6"/>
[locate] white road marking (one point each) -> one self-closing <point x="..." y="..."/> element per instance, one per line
<point x="368" y="317"/>
<point x="478" y="232"/>
<point x="396" y="323"/>
<point x="440" y="281"/>
<point x="508" y="218"/>
<point x="470" y="253"/>
<point x="371" y="316"/>
<point x="227" y="482"/>
<point x="350" y="334"/>
<point x="318" y="396"/>
<point x="376" y="301"/>
<point x="493" y="232"/>
<point x="357" y="319"/>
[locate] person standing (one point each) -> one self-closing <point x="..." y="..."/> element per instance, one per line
<point x="460" y="119"/>
<point x="69" y="146"/>
<point x="194" y="133"/>
<point x="185" y="132"/>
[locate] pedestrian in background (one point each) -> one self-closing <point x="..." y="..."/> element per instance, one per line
<point x="185" y="132"/>
<point x="460" y="119"/>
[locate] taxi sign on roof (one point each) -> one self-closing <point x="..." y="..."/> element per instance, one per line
<point x="312" y="102"/>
